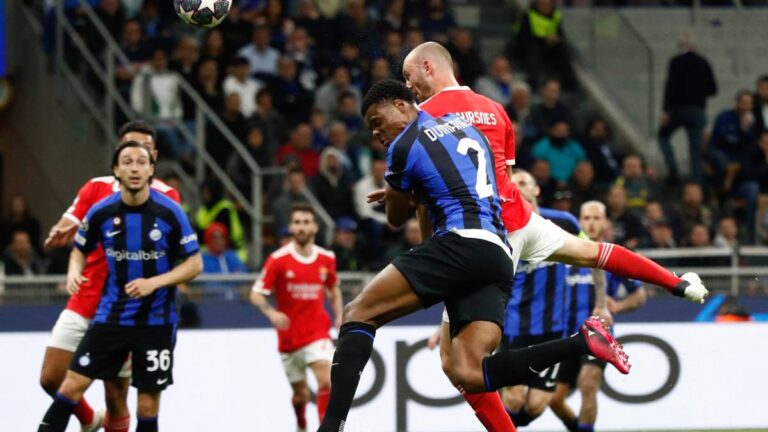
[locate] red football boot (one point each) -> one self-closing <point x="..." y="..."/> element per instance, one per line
<point x="603" y="345"/>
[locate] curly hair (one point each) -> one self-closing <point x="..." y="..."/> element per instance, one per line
<point x="386" y="90"/>
<point x="138" y="126"/>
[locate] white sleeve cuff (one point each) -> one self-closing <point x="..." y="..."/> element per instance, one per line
<point x="72" y="218"/>
<point x="510" y="162"/>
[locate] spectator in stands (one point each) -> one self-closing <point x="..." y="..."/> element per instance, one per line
<point x="549" y="110"/>
<point x="217" y="145"/>
<point x="269" y="120"/>
<point x="690" y="82"/>
<point x="560" y="150"/>
<point x="600" y="151"/>
<point x="372" y="216"/>
<point x="186" y="57"/>
<point x="290" y="194"/>
<point x="411" y="238"/>
<point x="582" y="186"/>
<point x="540" y="170"/>
<point x="761" y="104"/>
<point x="653" y="212"/>
<point x="318" y="121"/>
<point x="338" y="138"/>
<point x="262" y="57"/>
<point x="627" y="228"/>
<point x="218" y="258"/>
<point x="216" y="207"/>
<point x="661" y="237"/>
<point x="112" y="16"/>
<point x="327" y="96"/>
<point x="208" y="85"/>
<point x="136" y="50"/>
<point x="348" y="112"/>
<point x="20" y="259"/>
<point x="239" y="170"/>
<point x="691" y="209"/>
<point x="698" y="236"/>
<point x="727" y="233"/>
<point x="347" y="247"/>
<point x="638" y="185"/>
<point x="318" y="27"/>
<point x="540" y="44"/>
<point x="20" y="218"/>
<point x="746" y="177"/>
<point x="562" y="199"/>
<point x="413" y="38"/>
<point x="352" y="59"/>
<point x="298" y="150"/>
<point x="155" y="25"/>
<point x="214" y="49"/>
<point x="464" y="53"/>
<point x="299" y="48"/>
<point x="734" y="133"/>
<point x="437" y="23"/>
<point x="497" y="84"/>
<point x="239" y="81"/>
<point x="290" y="96"/>
<point x="380" y="70"/>
<point x="353" y="24"/>
<point x="394" y="18"/>
<point x="332" y="186"/>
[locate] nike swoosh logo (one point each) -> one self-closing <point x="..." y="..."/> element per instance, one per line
<point x="113" y="233"/>
<point x="162" y="381"/>
<point x="333" y="364"/>
<point x="550" y="383"/>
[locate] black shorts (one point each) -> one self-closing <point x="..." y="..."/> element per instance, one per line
<point x="569" y="369"/>
<point x="471" y="276"/>
<point x="545" y="380"/>
<point x="105" y="347"/>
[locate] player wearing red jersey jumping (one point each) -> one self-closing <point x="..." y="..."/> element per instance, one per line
<point x="75" y="318"/>
<point x="299" y="275"/>
<point x="428" y="71"/>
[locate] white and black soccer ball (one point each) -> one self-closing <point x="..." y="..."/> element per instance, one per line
<point x="202" y="13"/>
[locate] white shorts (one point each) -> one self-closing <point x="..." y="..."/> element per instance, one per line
<point x="295" y="363"/>
<point x="535" y="242"/>
<point x="69" y="331"/>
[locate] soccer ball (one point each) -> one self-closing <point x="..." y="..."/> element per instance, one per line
<point x="202" y="13"/>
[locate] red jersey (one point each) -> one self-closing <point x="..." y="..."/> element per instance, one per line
<point x="299" y="285"/>
<point x="86" y="300"/>
<point x="493" y="122"/>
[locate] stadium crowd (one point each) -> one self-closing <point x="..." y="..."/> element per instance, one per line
<point x="287" y="78"/>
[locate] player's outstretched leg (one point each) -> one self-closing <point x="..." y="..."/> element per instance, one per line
<point x="623" y="262"/>
<point x="55" y="364"/>
<point x="509" y="368"/>
<point x="387" y="297"/>
<point x="488" y="407"/>
<point x="64" y="403"/>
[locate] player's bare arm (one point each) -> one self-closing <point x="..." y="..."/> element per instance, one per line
<point x="184" y="272"/>
<point x="376" y="196"/>
<point x="61" y="234"/>
<point x="278" y="319"/>
<point x="334" y="297"/>
<point x="399" y="206"/>
<point x="75" y="271"/>
<point x="628" y="304"/>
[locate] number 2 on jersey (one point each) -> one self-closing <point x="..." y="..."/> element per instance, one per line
<point x="483" y="188"/>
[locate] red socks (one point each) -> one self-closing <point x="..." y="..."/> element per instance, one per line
<point x="322" y="402"/>
<point x="622" y="262"/>
<point x="490" y="411"/>
<point x="300" y="409"/>
<point x="83" y="412"/>
<point x="119" y="424"/>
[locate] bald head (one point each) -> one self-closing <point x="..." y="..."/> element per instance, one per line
<point x="428" y="69"/>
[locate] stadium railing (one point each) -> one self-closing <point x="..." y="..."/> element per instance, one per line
<point x="725" y="271"/>
<point x="103" y="101"/>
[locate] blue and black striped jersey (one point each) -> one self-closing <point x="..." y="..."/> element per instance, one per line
<point x="139" y="242"/>
<point x="537" y="303"/>
<point x="449" y="165"/>
<point x="579" y="297"/>
<point x="619" y="287"/>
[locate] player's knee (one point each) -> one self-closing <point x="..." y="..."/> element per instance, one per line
<point x="512" y="400"/>
<point x="589" y="388"/>
<point x="148" y="406"/>
<point x="536" y="408"/>
<point x="469" y="378"/>
<point x="49" y="382"/>
<point x="558" y="397"/>
<point x="115" y="396"/>
<point x="323" y="383"/>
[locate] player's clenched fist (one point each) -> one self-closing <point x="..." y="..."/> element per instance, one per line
<point x="279" y="319"/>
<point x="139" y="288"/>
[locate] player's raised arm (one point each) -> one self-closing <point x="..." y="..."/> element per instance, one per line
<point x="601" y="305"/>
<point x="75" y="271"/>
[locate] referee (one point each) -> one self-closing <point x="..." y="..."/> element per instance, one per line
<point x="143" y="233"/>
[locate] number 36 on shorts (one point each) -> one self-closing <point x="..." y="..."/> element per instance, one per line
<point x="158" y="360"/>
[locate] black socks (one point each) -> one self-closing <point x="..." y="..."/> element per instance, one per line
<point x="352" y="353"/>
<point x="57" y="416"/>
<point x="510" y="368"/>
